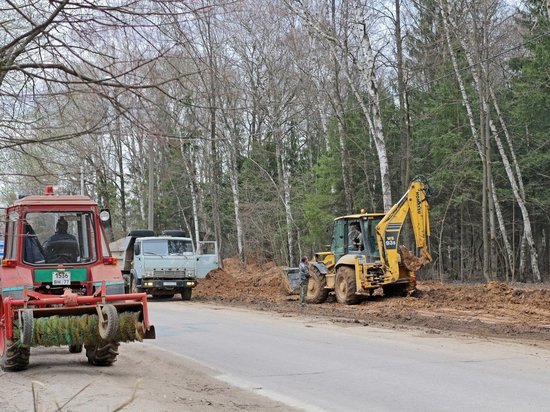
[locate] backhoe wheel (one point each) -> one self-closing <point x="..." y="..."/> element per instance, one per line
<point x="395" y="290"/>
<point x="186" y="293"/>
<point x="345" y="286"/>
<point x="109" y="325"/>
<point x="26" y="322"/>
<point x="316" y="292"/>
<point x="103" y="354"/>
<point x="75" y="348"/>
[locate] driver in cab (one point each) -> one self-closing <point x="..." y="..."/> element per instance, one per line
<point x="61" y="247"/>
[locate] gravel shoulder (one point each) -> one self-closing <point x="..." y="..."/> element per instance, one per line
<point x="144" y="378"/>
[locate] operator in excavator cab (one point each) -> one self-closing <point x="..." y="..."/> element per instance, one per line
<point x="354" y="237"/>
<point x="61" y="247"/>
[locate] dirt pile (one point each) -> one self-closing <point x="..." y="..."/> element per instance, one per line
<point x="493" y="309"/>
<point x="234" y="283"/>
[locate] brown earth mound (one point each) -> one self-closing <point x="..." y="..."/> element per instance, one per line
<point x="493" y="309"/>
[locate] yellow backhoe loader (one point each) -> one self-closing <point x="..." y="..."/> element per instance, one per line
<point x="365" y="255"/>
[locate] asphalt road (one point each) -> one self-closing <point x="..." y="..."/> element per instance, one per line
<point x="314" y="365"/>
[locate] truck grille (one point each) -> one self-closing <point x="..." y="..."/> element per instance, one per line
<point x="173" y="274"/>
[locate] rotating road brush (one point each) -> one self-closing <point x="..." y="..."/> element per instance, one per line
<point x="77" y="330"/>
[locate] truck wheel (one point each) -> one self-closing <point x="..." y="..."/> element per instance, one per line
<point x="102" y="354"/>
<point x="345" y="286"/>
<point x="163" y="295"/>
<point x="316" y="292"/>
<point x="186" y="293"/>
<point x="133" y="284"/>
<point x="109" y="326"/>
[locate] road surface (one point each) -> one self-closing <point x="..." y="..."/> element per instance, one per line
<point x="318" y="366"/>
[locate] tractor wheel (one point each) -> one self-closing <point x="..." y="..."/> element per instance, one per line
<point x="103" y="354"/>
<point x="316" y="292"/>
<point x="14" y="357"/>
<point x="26" y="322"/>
<point x="186" y="293"/>
<point x="345" y="286"/>
<point x="75" y="348"/>
<point x="108" y="327"/>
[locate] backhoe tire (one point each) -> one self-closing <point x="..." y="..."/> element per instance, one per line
<point x="186" y="293"/>
<point x="316" y="292"/>
<point x="15" y="358"/>
<point x="395" y="290"/>
<point x="75" y="348"/>
<point x="103" y="354"/>
<point x="345" y="286"/>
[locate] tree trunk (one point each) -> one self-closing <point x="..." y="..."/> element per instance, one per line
<point x="404" y="132"/>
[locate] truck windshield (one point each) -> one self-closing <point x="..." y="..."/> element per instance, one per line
<point x="59" y="237"/>
<point x="166" y="247"/>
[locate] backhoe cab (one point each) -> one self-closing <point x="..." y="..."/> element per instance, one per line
<point x="365" y="255"/>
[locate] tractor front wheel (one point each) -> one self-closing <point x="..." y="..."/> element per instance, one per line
<point x="345" y="286"/>
<point x="316" y="291"/>
<point x="13" y="357"/>
<point x="102" y="354"/>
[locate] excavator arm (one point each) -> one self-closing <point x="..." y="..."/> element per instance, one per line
<point x="415" y="204"/>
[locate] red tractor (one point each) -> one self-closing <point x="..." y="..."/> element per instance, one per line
<point x="59" y="284"/>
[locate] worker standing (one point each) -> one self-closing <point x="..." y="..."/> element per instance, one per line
<point x="304" y="279"/>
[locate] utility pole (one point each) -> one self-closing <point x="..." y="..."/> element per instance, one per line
<point x="82" y="180"/>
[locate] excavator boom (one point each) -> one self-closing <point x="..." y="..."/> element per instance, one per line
<point x="414" y="203"/>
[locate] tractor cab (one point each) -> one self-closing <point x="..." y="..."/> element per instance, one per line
<point x="60" y="286"/>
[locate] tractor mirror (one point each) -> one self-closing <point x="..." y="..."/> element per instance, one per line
<point x="105" y="215"/>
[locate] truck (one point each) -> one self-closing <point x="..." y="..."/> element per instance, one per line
<point x="60" y="285"/>
<point x="164" y="265"/>
<point x="366" y="251"/>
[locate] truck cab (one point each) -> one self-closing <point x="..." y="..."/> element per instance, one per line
<point x="165" y="265"/>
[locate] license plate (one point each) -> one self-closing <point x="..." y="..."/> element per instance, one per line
<point x="61" y="278"/>
<point x="170" y="283"/>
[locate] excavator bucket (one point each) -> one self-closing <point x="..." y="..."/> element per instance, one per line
<point x="290" y="281"/>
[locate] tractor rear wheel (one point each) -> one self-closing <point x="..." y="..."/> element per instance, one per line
<point x="345" y="286"/>
<point x="103" y="354"/>
<point x="316" y="291"/>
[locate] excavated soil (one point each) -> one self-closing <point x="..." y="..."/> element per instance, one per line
<point x="489" y="310"/>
